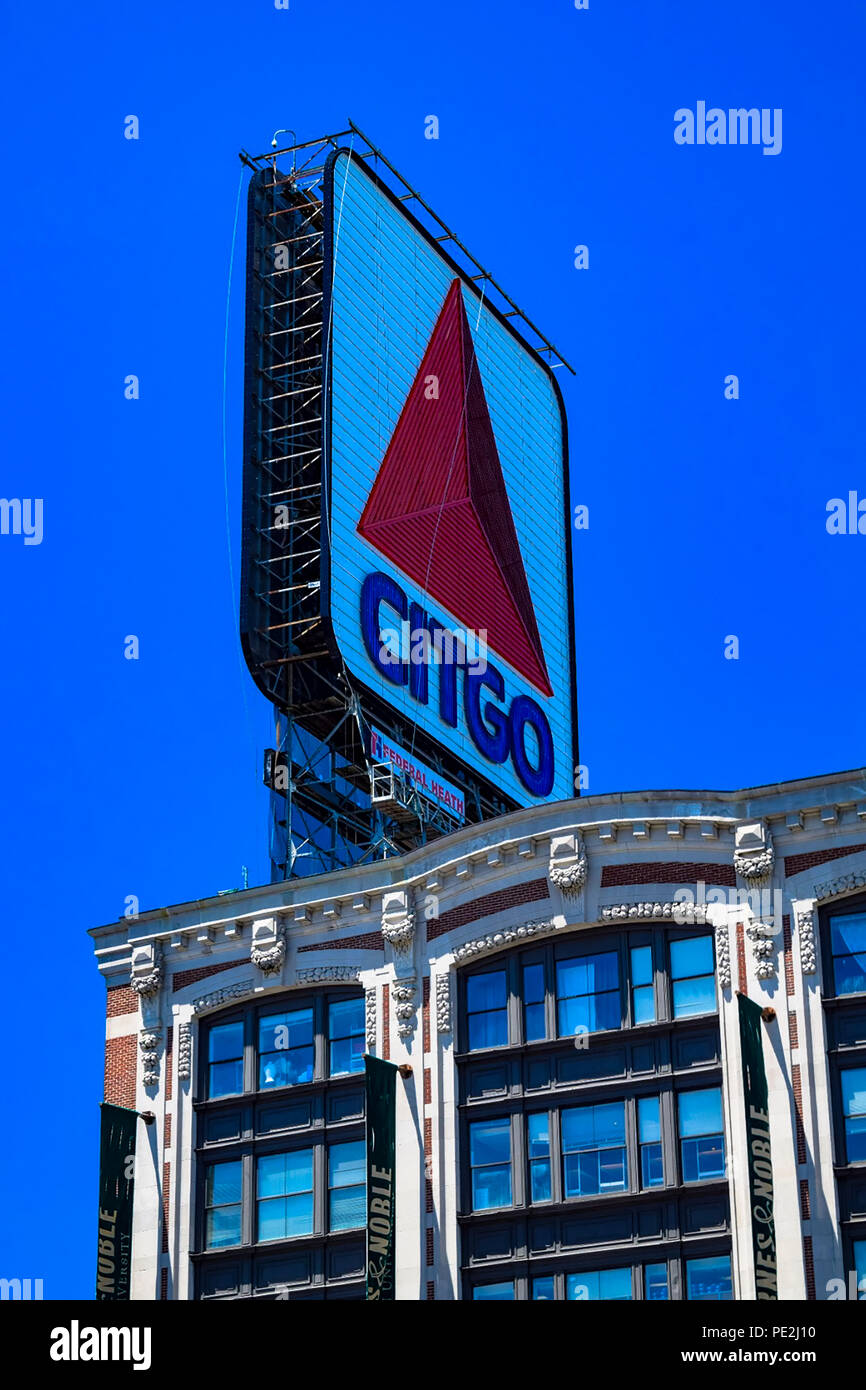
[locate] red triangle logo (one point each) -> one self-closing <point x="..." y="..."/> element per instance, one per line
<point x="439" y="509"/>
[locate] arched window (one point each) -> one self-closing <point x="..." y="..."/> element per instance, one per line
<point x="280" y="1188"/>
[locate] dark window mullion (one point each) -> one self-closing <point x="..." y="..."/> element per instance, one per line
<point x="556" y="1184"/>
<point x="320" y="1188"/>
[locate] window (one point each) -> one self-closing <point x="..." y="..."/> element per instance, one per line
<point x="702" y="1142"/>
<point x="303" y="1043"/>
<point x="613" y="1284"/>
<point x="284" y="1187"/>
<point x="487" y="1010"/>
<point x="709" y="1280"/>
<point x="587" y="994"/>
<point x="538" y="1131"/>
<point x="650" y="1142"/>
<point x="692" y="976"/>
<point x="544" y="1287"/>
<point x="490" y="1161"/>
<point x="848" y="949"/>
<point x="225" y="1058"/>
<point x="854" y="1113"/>
<point x="499" y="1292"/>
<point x="643" y="1004"/>
<point x="655" y="1281"/>
<point x="223" y="1186"/>
<point x="285" y="1048"/>
<point x="593" y="1149"/>
<point x="281" y="1158"/>
<point x="533" y="1003"/>
<point x="346" y="1037"/>
<point x="860" y="1267"/>
<point x="347" y="1186"/>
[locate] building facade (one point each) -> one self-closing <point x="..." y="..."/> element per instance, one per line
<point x="562" y="983"/>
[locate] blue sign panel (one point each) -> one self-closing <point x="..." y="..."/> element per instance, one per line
<point x="449" y="578"/>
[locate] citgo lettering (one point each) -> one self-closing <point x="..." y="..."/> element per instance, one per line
<point x="498" y="733"/>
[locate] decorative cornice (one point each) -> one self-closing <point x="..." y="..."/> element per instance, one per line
<point x="347" y="974"/>
<point x="684" y="914"/>
<point x="723" y="954"/>
<point x="184" y="1051"/>
<point x="443" y="1002"/>
<point x="223" y="996"/>
<point x="806" y="937"/>
<point x="148" y="1042"/>
<point x="496" y="940"/>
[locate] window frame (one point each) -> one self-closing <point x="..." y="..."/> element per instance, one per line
<point x="329" y="1122"/>
<point x="855" y="907"/>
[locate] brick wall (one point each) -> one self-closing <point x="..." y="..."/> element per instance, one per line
<point x="189" y="977"/>
<point x="620" y="875"/>
<point x="368" y="941"/>
<point x="121" y="1058"/>
<point x="741" y="958"/>
<point x="532" y="891"/>
<point x="121" y="999"/>
<point x="789" y="960"/>
<point x="796" y="863"/>
<point x="810" y="1268"/>
<point x="169" y="1061"/>
<point x="797" y="1087"/>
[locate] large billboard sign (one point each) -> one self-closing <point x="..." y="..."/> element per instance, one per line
<point x="446" y="577"/>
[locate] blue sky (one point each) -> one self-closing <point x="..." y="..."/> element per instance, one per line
<point x="707" y="516"/>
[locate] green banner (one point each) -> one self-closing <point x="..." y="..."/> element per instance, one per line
<point x="760" y="1163"/>
<point x="381" y="1079"/>
<point x="116" y="1164"/>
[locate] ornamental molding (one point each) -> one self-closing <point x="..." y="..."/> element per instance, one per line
<point x="398" y="920"/>
<point x="844" y="883"/>
<point x="399" y="932"/>
<point x="496" y="940"/>
<point x="223" y="996"/>
<point x="347" y="974"/>
<point x="754" y="855"/>
<point x="184" y="1051"/>
<point x="723" y="954"/>
<point x="443" y="1002"/>
<point x="755" y="866"/>
<point x="268" y="950"/>
<point x="148" y="1043"/>
<point x="569" y="878"/>
<point x="370" y="1019"/>
<point x="403" y="993"/>
<point x="568" y="863"/>
<point x="806" y="938"/>
<point x="147" y="985"/>
<point x="762" y="937"/>
<point x="682" y="913"/>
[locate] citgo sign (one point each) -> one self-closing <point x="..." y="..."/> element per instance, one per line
<point x="448" y="505"/>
